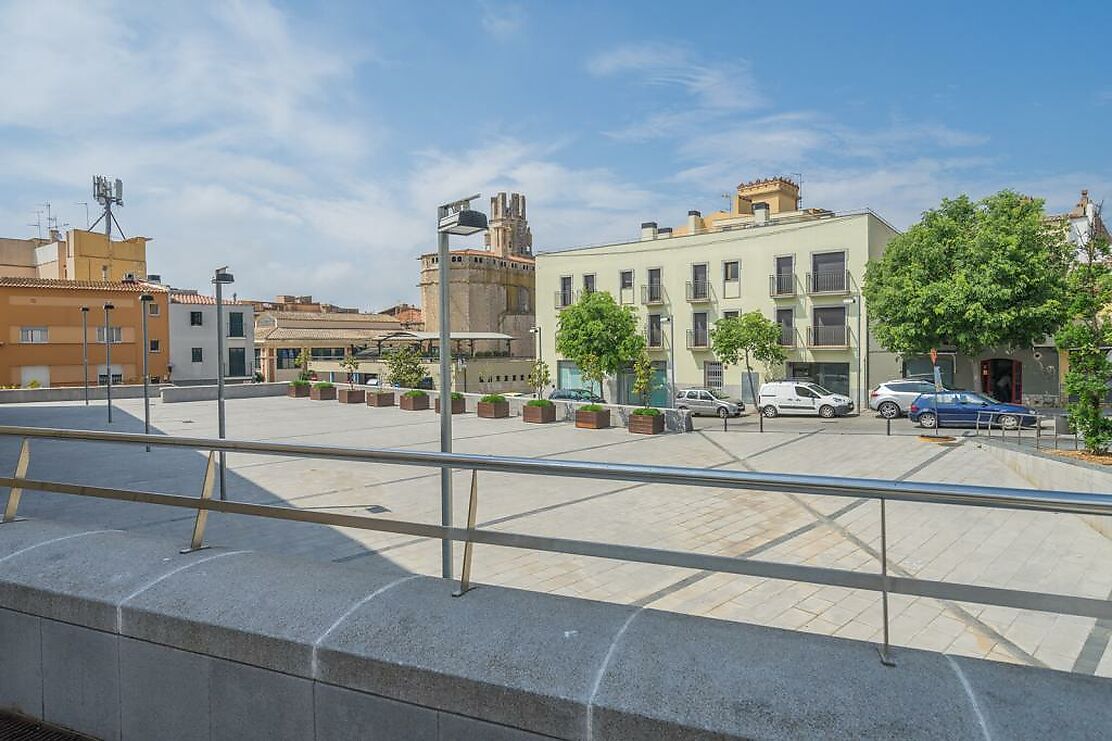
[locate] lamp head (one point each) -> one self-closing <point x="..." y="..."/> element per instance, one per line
<point x="108" y="306"/>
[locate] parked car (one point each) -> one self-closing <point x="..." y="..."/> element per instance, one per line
<point x="802" y="397"/>
<point x="709" y="401"/>
<point x="893" y="398"/>
<point x="576" y="395"/>
<point x="966" y="409"/>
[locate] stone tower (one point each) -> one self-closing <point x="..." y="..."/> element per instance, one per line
<point x="508" y="233"/>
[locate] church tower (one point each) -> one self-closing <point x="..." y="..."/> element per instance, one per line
<point x="508" y="232"/>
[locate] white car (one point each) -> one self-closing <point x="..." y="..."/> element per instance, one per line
<point x="802" y="397"/>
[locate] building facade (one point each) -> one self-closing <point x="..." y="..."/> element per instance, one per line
<point x="281" y="336"/>
<point x="194" y="346"/>
<point x="41" y="326"/>
<point x="800" y="268"/>
<point x="77" y="255"/>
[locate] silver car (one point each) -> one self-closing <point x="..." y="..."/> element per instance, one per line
<point x="892" y="398"/>
<point x="708" y="401"/>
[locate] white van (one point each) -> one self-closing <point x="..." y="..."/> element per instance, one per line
<point x="802" y="397"/>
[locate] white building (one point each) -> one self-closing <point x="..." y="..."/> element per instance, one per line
<point x="193" y="339"/>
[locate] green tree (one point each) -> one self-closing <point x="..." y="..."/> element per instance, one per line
<point x="404" y="368"/>
<point x="598" y="335"/>
<point x="302" y="362"/>
<point x="746" y="338"/>
<point x="644" y="377"/>
<point x="350" y="363"/>
<point x="971" y="275"/>
<point x="1086" y="339"/>
<point x="539" y="377"/>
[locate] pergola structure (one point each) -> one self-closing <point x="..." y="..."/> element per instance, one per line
<point x="426" y="343"/>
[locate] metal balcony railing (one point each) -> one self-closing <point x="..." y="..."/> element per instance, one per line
<point x="654" y="338"/>
<point x="685" y="478"/>
<point x="828" y="282"/>
<point x="787" y="336"/>
<point x="652" y="293"/>
<point x="564" y="299"/>
<point x="781" y="284"/>
<point x="698" y="339"/>
<point x="836" y="336"/>
<point x="698" y="290"/>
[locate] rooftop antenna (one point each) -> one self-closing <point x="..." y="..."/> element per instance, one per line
<point x="86" y="205"/>
<point x="799" y="183"/>
<point x="107" y="194"/>
<point x="729" y="201"/>
<point x="37" y="223"/>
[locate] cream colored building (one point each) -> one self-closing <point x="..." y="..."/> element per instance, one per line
<point x="76" y="255"/>
<point x="801" y="268"/>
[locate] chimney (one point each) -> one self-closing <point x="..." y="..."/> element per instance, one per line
<point x="694" y="222"/>
<point x="154" y="278"/>
<point x="760" y="213"/>
<point x="104" y="273"/>
<point x="648" y="230"/>
<point x="665" y="231"/>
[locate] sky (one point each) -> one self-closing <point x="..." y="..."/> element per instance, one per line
<point x="307" y="148"/>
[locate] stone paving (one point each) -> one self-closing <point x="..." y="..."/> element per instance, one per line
<point x="1022" y="550"/>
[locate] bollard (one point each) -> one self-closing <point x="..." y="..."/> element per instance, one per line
<point x="761" y="417"/>
<point x="889" y="421"/>
<point x="726" y="423"/>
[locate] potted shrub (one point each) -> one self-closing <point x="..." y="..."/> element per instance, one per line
<point x="351" y="395"/>
<point x="539" y="411"/>
<point x="380" y="398"/>
<point x="494" y="406"/>
<point x="592" y="417"/>
<point x="299" y="388"/>
<point x="459" y="406"/>
<point x="323" y="391"/>
<point x="414" y="400"/>
<point x="646" y="421"/>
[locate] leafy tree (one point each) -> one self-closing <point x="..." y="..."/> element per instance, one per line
<point x="539" y="377"/>
<point x="749" y="337"/>
<point x="302" y="362"/>
<point x="404" y="368"/>
<point x="350" y="363"/>
<point x="644" y="377"/>
<point x="971" y="275"/>
<point x="1087" y="339"/>
<point x="600" y="336"/>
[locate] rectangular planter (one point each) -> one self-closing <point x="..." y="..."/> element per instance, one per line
<point x="459" y="406"/>
<point x="413" y="403"/>
<point x="325" y="394"/>
<point x="592" y="420"/>
<point x="644" y="424"/>
<point x="298" y="392"/>
<point x="352" y="396"/>
<point x="539" y="415"/>
<point x="494" y="409"/>
<point x="380" y="398"/>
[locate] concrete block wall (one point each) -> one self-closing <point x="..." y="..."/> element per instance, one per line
<point x="73" y="393"/>
<point x="171" y="394"/>
<point x="123" y="637"/>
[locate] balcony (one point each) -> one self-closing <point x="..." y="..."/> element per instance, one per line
<point x="828" y="282"/>
<point x="564" y="299"/>
<point x="698" y="291"/>
<point x="831" y="337"/>
<point x="652" y="294"/>
<point x="781" y="285"/>
<point x="698" y="339"/>
<point x="787" y="336"/>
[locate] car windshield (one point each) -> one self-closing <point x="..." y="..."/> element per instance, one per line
<point x="819" y="389"/>
<point x="718" y="395"/>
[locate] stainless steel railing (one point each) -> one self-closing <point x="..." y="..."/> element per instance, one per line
<point x="879" y="489"/>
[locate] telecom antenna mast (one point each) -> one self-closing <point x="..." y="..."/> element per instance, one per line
<point x="108" y="194"/>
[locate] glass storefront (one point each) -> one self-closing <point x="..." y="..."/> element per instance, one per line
<point x="833" y="376"/>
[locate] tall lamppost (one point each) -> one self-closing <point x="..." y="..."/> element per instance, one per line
<point x="85" y="348"/>
<point x="669" y="320"/>
<point x="860" y="357"/>
<point x="220" y="277"/>
<point x="108" y="356"/>
<point x="451" y="218"/>
<point x="144" y="303"/>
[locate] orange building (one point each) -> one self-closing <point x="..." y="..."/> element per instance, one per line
<point x="40" y="331"/>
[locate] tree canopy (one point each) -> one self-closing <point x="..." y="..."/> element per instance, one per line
<point x="746" y="338"/>
<point x="404" y="368"/>
<point x="598" y="335"/>
<point x="971" y="275"/>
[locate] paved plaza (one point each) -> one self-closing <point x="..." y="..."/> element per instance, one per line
<point x="1004" y="548"/>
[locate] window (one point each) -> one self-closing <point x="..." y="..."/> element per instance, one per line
<point x="654" y="291"/>
<point x="563" y="296"/>
<point x="731" y="271"/>
<point x="155" y="347"/>
<point x="326" y="353"/>
<point x="805" y="393"/>
<point x="152" y="308"/>
<point x="783" y="281"/>
<point x="699" y="288"/>
<point x="786" y="319"/>
<point x="117" y="378"/>
<point x="287" y="358"/>
<point x="115" y="333"/>
<point x="699" y="329"/>
<point x="589" y="283"/>
<point x="198" y="355"/>
<point x="33" y="335"/>
<point x="731" y="314"/>
<point x="625" y="280"/>
<point x="235" y="324"/>
<point x="828" y="272"/>
<point x="829" y="326"/>
<point x="655" y="335"/>
<point x="196" y="319"/>
<point x="712" y="374"/>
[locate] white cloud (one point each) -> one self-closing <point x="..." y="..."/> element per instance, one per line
<point x="503" y="21"/>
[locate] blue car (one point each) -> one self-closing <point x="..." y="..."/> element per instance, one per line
<point x="968" y="409"/>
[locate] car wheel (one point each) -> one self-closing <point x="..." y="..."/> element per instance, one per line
<point x="889" y="409"/>
<point x="826" y="411"/>
<point x="770" y="411"/>
<point x="1009" y="421"/>
<point x="926" y="419"/>
<point x="723" y="412"/>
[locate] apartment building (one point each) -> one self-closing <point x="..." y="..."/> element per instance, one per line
<point x="76" y="255"/>
<point x="802" y="268"/>
<point x="194" y="344"/>
<point x="41" y="331"/>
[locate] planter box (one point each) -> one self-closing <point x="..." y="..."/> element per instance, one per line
<point x="645" y="424"/>
<point x="413" y="403"/>
<point x="592" y="420"/>
<point x="539" y="415"/>
<point x="352" y="396"/>
<point x="459" y="406"/>
<point x="380" y="398"/>
<point x="494" y="409"/>
<point x="325" y="394"/>
<point x="298" y="391"/>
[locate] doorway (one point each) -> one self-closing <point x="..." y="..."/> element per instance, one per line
<point x="1002" y="379"/>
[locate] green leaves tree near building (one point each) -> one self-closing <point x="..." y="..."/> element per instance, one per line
<point x="971" y="275"/>
<point x="350" y="363"/>
<point x="746" y="338"/>
<point x="404" y="368"/>
<point x="644" y="377"/>
<point x="599" y="336"/>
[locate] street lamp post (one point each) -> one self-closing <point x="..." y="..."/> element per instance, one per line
<point x="860" y="358"/>
<point x="108" y="357"/>
<point x="219" y="278"/>
<point x="452" y="218"/>
<point x="669" y="320"/>
<point x="85" y="349"/>
<point x="145" y="302"/>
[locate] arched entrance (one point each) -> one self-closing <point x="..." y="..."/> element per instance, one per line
<point x="1002" y="379"/>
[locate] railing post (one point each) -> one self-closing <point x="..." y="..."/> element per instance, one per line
<point x="16" y="492"/>
<point x="472" y="510"/>
<point x="197" y="543"/>
<point x="885" y="649"/>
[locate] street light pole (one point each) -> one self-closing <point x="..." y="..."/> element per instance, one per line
<point x="108" y="357"/>
<point x="85" y="349"/>
<point x="860" y="358"/>
<point x="670" y="321"/>
<point x="219" y="278"/>
<point x="144" y="303"/>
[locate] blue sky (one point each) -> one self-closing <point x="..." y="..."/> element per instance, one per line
<point x="308" y="147"/>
